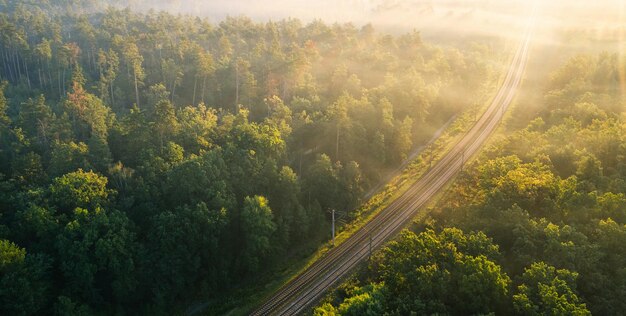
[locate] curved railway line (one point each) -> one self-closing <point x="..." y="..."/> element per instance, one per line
<point x="305" y="289"/>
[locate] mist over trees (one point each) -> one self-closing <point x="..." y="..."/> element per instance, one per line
<point x="148" y="161"/>
<point x="535" y="226"/>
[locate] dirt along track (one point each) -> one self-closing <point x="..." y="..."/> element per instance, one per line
<point x="308" y="287"/>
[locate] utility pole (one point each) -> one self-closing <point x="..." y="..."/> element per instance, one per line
<point x="333" y="227"/>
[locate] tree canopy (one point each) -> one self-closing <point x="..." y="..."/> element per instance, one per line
<point x="534" y="226"/>
<point x="149" y="161"/>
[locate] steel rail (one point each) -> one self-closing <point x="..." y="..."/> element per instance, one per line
<point x="306" y="288"/>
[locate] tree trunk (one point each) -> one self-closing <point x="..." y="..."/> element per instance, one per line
<point x="39" y="75"/>
<point x="173" y="91"/>
<point x="89" y="60"/>
<point x="8" y="63"/>
<point x="112" y="98"/>
<point x="27" y="74"/>
<point x="17" y="65"/>
<point x="92" y="59"/>
<point x="236" y="86"/>
<point x="284" y="94"/>
<point x="12" y="67"/>
<point x="195" y="83"/>
<point x="12" y="61"/>
<point x="4" y="64"/>
<point x="59" y="83"/>
<point x="136" y="88"/>
<point x="51" y="83"/>
<point x="63" y="82"/>
<point x="161" y="141"/>
<point x="94" y="56"/>
<point x="203" y="87"/>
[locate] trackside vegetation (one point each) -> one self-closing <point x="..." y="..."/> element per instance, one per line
<point x="535" y="226"/>
<point x="151" y="163"/>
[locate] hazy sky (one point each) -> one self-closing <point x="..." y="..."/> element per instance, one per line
<point x="331" y="10"/>
<point x="462" y="15"/>
<point x="432" y="17"/>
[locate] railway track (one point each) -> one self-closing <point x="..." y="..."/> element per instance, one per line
<point x="304" y="290"/>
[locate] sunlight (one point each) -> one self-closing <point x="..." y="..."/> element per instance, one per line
<point x="621" y="69"/>
<point x="327" y="157"/>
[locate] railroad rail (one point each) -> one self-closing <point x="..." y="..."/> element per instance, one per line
<point x="307" y="288"/>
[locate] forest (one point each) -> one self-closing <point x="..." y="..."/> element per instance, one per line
<point x="535" y="226"/>
<point x="149" y="161"/>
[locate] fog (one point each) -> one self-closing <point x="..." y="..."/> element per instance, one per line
<point x="604" y="19"/>
<point x="562" y="28"/>
<point x="487" y="16"/>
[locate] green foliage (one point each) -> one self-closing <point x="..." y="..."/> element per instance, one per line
<point x="403" y="143"/>
<point x="80" y="189"/>
<point x="429" y="273"/>
<point x="97" y="255"/>
<point x="292" y="222"/>
<point x="36" y="226"/>
<point x="137" y="149"/>
<point x="35" y="120"/>
<point x="28" y="169"/>
<point x="257" y="228"/>
<point x="547" y="291"/>
<point x="199" y="125"/>
<point x="5" y="121"/>
<point x="326" y="309"/>
<point x="182" y="254"/>
<point x="88" y="114"/>
<point x="322" y="185"/>
<point x="5" y="129"/>
<point x="550" y="197"/>
<point x="165" y="122"/>
<point x="23" y="284"/>
<point x="364" y="301"/>
<point x="10" y="254"/>
<point x="202" y="179"/>
<point x="65" y="306"/>
<point x="68" y="157"/>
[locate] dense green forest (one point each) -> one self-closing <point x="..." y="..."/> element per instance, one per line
<point x="535" y="226"/>
<point x="149" y="161"/>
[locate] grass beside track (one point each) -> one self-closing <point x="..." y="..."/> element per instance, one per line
<point x="248" y="299"/>
<point x="378" y="202"/>
<point x="421" y="219"/>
